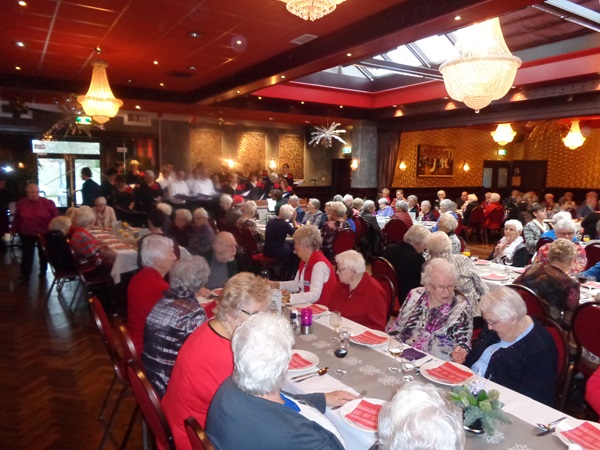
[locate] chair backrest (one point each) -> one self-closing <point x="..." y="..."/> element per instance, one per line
<point x="382" y="266"/>
<point x="562" y="348"/>
<point x="543" y="241"/>
<point x="196" y="434"/>
<point x="495" y="219"/>
<point x="108" y="339"/>
<point x="65" y="267"/>
<point x="363" y="226"/>
<point x="394" y="231"/>
<point x="476" y="217"/>
<point x="536" y="307"/>
<point x="149" y="403"/>
<point x="344" y="240"/>
<point x="388" y="287"/>
<point x="436" y="214"/>
<point x="463" y="243"/>
<point x="459" y="227"/>
<point x="592" y="253"/>
<point x="127" y="346"/>
<point x="248" y="241"/>
<point x="584" y="326"/>
<point x="213" y="224"/>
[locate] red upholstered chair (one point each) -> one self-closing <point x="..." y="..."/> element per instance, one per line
<point x="493" y="224"/>
<point x="257" y="258"/>
<point x="543" y="241"/>
<point x="382" y="266"/>
<point x="592" y="253"/>
<point x="149" y="403"/>
<point x="536" y="307"/>
<point x="584" y="326"/>
<point x="197" y="436"/>
<point x="460" y="226"/>
<point x="388" y="287"/>
<point x="436" y="214"/>
<point x="475" y="223"/>
<point x="126" y="344"/>
<point x="562" y="348"/>
<point x="344" y="240"/>
<point x="394" y="231"/>
<point x="463" y="244"/>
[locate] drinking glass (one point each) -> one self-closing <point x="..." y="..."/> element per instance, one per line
<point x="586" y="238"/>
<point x="408" y="368"/>
<point x="265" y="274"/>
<point x="467" y="252"/>
<point x="395" y="349"/>
<point x="345" y="333"/>
<point x="581" y="278"/>
<point x="340" y="352"/>
<point x="508" y="261"/>
<point x="335" y="320"/>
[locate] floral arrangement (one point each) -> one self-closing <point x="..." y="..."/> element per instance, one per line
<point x="479" y="404"/>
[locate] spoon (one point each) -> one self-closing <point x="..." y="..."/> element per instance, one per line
<point x="320" y="372"/>
<point x="550" y="425"/>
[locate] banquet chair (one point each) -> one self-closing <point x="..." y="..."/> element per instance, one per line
<point x="149" y="403"/>
<point x="258" y="259"/>
<point x="584" y="327"/>
<point x="463" y="244"/>
<point x="388" y="287"/>
<point x="394" y="231"/>
<point x="536" y="307"/>
<point x="562" y="348"/>
<point x="382" y="266"/>
<point x="196" y="434"/>
<point x="90" y="283"/>
<point x="125" y="342"/>
<point x="543" y="241"/>
<point x="494" y="223"/>
<point x="592" y="253"/>
<point x="460" y="227"/>
<point x="475" y="223"/>
<point x="344" y="240"/>
<point x="117" y="361"/>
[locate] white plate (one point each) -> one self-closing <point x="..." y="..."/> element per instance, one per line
<point x="569" y="424"/>
<point x="483" y="262"/>
<point x="314" y="360"/>
<point x="375" y="332"/>
<point x="351" y="406"/>
<point x="434" y="364"/>
<point x="495" y="277"/>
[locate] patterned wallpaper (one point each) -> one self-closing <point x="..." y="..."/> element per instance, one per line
<point x="251" y="147"/>
<point x="291" y="151"/>
<point x="206" y="146"/>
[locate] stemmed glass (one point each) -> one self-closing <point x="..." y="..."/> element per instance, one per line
<point x="395" y="349"/>
<point x="508" y="261"/>
<point x="335" y="320"/>
<point x="408" y="368"/>
<point x="340" y="352"/>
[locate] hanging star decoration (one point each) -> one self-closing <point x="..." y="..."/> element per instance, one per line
<point x="68" y="125"/>
<point x="326" y="134"/>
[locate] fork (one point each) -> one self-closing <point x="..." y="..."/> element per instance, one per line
<point x="549" y="425"/>
<point x="361" y="395"/>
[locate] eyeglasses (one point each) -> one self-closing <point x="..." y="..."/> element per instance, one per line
<point x="339" y="269"/>
<point x="565" y="233"/>
<point x="493" y="322"/>
<point x="249" y="313"/>
<point x="449" y="288"/>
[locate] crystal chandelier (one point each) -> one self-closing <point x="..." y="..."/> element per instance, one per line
<point x="99" y="102"/>
<point x="483" y="69"/>
<point x="503" y="134"/>
<point x="574" y="139"/>
<point x="311" y="9"/>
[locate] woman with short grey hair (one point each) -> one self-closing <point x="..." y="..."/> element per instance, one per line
<point x="337" y="222"/>
<point x="92" y="258"/>
<point x="448" y="224"/>
<point x="105" y="215"/>
<point x="249" y="409"/>
<point x="427" y="214"/>
<point x="276" y="246"/>
<point x="413" y="204"/>
<point x="247" y="222"/>
<point x="173" y="319"/>
<point x="314" y="216"/>
<point x="513" y="350"/>
<point x="373" y="234"/>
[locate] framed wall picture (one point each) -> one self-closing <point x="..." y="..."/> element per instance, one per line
<point x="435" y="161"/>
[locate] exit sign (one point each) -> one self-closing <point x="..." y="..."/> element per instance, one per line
<point x="347" y="150"/>
<point x="83" y="120"/>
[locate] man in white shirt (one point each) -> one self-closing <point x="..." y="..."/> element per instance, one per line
<point x="163" y="179"/>
<point x="179" y="186"/>
<point x="204" y="185"/>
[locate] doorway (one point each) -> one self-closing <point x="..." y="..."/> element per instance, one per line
<point x="59" y="177"/>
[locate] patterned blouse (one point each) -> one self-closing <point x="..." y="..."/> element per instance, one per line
<point x="579" y="260"/>
<point x="329" y="232"/>
<point x="468" y="283"/>
<point x="436" y="331"/>
<point x="258" y="236"/>
<point x="532" y="233"/>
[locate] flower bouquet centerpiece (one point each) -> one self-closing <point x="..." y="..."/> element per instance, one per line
<point x="481" y="408"/>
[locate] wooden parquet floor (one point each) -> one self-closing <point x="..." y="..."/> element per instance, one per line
<point x="54" y="371"/>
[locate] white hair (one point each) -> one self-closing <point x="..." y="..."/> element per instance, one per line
<point x="338" y="209"/>
<point x="100" y="201"/>
<point x="494" y="197"/>
<point x="286" y="212"/>
<point x="189" y="274"/>
<point x="166" y="208"/>
<point x="420" y="418"/>
<point x="438" y="243"/>
<point x="154" y="247"/>
<point x="565" y="224"/>
<point x="417" y="234"/>
<point x="438" y="266"/>
<point x="294" y="198"/>
<point x="402" y="206"/>
<point x="315" y="203"/>
<point x="351" y="260"/>
<point x="369" y="205"/>
<point x="348" y="199"/>
<point x="515" y="223"/>
<point x="382" y="200"/>
<point x="184" y="214"/>
<point x="226" y="200"/>
<point x="262" y="350"/>
<point x="560" y="216"/>
<point x="447" y="222"/>
<point x="448" y="204"/>
<point x="249" y="208"/>
<point x="200" y="213"/>
<point x="85" y="217"/>
<point x="504" y="303"/>
<point x="149" y="173"/>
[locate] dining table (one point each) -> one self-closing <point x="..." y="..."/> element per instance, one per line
<point x="368" y="369"/>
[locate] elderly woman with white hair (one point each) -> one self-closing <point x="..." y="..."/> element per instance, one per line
<point x="148" y="193"/>
<point x="247" y="221"/>
<point x="373" y="236"/>
<point x="314" y="216"/>
<point x="513" y="349"/>
<point x="181" y="227"/>
<point x="493" y="205"/>
<point x="565" y="229"/>
<point x="448" y="223"/>
<point x="249" y="409"/>
<point x="511" y="249"/>
<point x="447" y="206"/>
<point x="436" y="318"/>
<point x="58" y="245"/>
<point x="105" y="215"/>
<point x="176" y="315"/>
<point x="413" y="204"/>
<point x="205" y="360"/>
<point x="468" y="283"/>
<point x="336" y="223"/>
<point x="203" y="234"/>
<point x="385" y="210"/>
<point x="402" y="213"/>
<point x="420" y="416"/>
<point x="468" y="207"/>
<point x="315" y="281"/>
<point x="427" y="214"/>
<point x="276" y="246"/>
<point x="359" y="297"/>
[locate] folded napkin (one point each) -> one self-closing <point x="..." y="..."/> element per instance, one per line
<point x="592" y="284"/>
<point x="450" y="373"/>
<point x="482" y="262"/>
<point x="298" y="362"/>
<point x="318" y="309"/>
<point x="370" y="338"/>
<point x="365" y="414"/>
<point x="493" y="276"/>
<point x="586" y="435"/>
<point x="413" y="353"/>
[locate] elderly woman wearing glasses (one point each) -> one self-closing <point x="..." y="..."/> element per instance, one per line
<point x="205" y="360"/>
<point x="359" y="297"/>
<point x="514" y="350"/>
<point x="435" y="318"/>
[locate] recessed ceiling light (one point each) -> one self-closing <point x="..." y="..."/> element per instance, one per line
<point x="239" y="42"/>
<point x="237" y="92"/>
<point x="260" y="98"/>
<point x="195" y="34"/>
<point x="307" y="121"/>
<point x="22" y="3"/>
<point x="348" y="54"/>
<point x="17" y="68"/>
<point x="138" y="107"/>
<point x="270" y="118"/>
<point x="162" y="84"/>
<point x="282" y="76"/>
<point x="302" y="103"/>
<point x="130" y="81"/>
<point x="20" y="44"/>
<point x="191" y="67"/>
<point x="156" y="63"/>
<point x="457" y="17"/>
<point x="341" y="106"/>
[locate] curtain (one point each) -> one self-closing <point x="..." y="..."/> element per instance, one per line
<point x="388" y="147"/>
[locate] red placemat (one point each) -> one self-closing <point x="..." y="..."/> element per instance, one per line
<point x="318" y="309"/>
<point x="368" y="337"/>
<point x="449" y="372"/>
<point x="586" y="435"/>
<point x="365" y="414"/>
<point x="592" y="284"/>
<point x="298" y="362"/>
<point x="482" y="262"/>
<point x="493" y="276"/>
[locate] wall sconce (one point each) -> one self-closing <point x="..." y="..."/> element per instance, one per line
<point x="272" y="165"/>
<point x="574" y="139"/>
<point x="21" y="165"/>
<point x="354" y="164"/>
<point x="503" y="134"/>
<point x="402" y="166"/>
<point x="230" y="163"/>
<point x="466" y="167"/>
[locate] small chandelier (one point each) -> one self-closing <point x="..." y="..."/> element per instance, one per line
<point x="574" y="139"/>
<point x="326" y="135"/>
<point x="503" y="134"/>
<point x="483" y="68"/>
<point x="311" y="9"/>
<point x="99" y="102"/>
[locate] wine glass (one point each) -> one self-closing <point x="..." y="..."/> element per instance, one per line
<point x="508" y="261"/>
<point x="467" y="252"/>
<point x="408" y="368"/>
<point x="335" y="320"/>
<point x="340" y="352"/>
<point x="265" y="274"/>
<point x="586" y="238"/>
<point x="395" y="349"/>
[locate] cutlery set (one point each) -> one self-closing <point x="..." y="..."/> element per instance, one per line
<point x="306" y="376"/>
<point x="549" y="427"/>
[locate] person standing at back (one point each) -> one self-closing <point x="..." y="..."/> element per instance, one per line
<point x="90" y="189"/>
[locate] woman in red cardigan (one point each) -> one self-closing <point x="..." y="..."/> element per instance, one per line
<point x="315" y="280"/>
<point x="359" y="297"/>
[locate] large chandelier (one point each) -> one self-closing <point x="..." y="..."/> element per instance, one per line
<point x="483" y="68"/>
<point x="99" y="102"/>
<point x="574" y="139"/>
<point x="503" y="134"/>
<point x="311" y="9"/>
